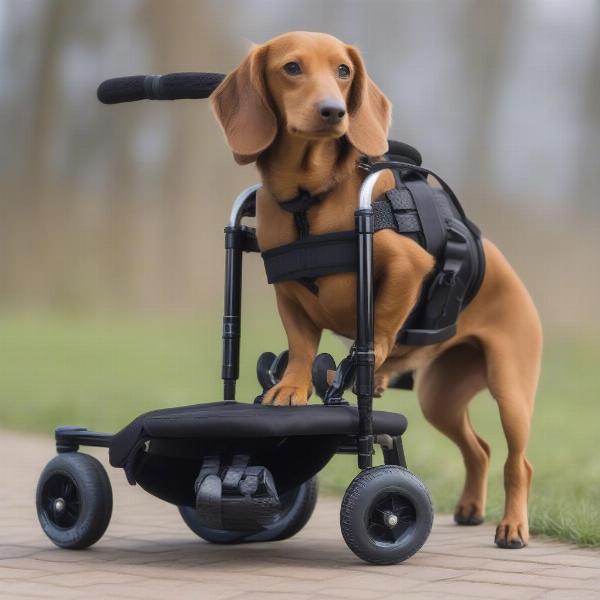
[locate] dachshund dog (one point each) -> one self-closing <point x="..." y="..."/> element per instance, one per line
<point x="304" y="109"/>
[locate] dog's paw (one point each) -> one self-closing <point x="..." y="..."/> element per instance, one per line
<point x="468" y="513"/>
<point x="381" y="383"/>
<point x="284" y="394"/>
<point x="511" y="534"/>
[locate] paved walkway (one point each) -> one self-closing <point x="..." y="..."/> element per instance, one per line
<point x="149" y="553"/>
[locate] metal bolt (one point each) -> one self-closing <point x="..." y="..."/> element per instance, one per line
<point x="391" y="520"/>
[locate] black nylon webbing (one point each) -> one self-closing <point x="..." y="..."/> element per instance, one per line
<point x="385" y="217"/>
<point x="433" y="229"/>
<point x="396" y="209"/>
<point x="313" y="256"/>
<point x="400" y="199"/>
<point x="299" y="206"/>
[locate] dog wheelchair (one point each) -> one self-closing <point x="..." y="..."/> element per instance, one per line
<point x="246" y="472"/>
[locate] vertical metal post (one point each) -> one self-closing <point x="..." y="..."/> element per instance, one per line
<point x="230" y="369"/>
<point x="232" y="315"/>
<point x="365" y="356"/>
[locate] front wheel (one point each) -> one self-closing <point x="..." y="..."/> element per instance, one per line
<point x="386" y="515"/>
<point x="74" y="500"/>
<point x="297" y="504"/>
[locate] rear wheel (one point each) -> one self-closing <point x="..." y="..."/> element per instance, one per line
<point x="74" y="500"/>
<point x="298" y="505"/>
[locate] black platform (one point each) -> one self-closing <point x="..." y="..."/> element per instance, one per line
<point x="226" y="420"/>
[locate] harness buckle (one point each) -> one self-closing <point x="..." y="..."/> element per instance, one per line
<point x="364" y="164"/>
<point x="448" y="278"/>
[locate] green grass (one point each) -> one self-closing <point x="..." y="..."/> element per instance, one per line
<point x="103" y="372"/>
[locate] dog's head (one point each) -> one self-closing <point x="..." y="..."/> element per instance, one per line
<point x="311" y="84"/>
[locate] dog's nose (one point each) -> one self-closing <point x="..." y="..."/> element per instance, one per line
<point x="332" y="111"/>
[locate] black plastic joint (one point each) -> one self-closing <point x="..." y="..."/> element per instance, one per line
<point x="242" y="238"/>
<point x="64" y="439"/>
<point x="63" y="446"/>
<point x="365" y="451"/>
<point x="365" y="221"/>
<point x="365" y="364"/>
<point x="231" y="327"/>
<point x="234" y="238"/>
<point x="365" y="357"/>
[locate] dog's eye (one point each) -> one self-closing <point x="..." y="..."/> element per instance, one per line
<point x="343" y="71"/>
<point x="292" y="68"/>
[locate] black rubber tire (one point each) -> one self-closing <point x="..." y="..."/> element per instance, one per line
<point x="321" y="365"/>
<point x="263" y="364"/>
<point x="298" y="504"/>
<point x="85" y="484"/>
<point x="369" y="490"/>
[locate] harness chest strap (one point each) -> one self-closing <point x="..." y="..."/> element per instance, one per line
<point x="313" y="256"/>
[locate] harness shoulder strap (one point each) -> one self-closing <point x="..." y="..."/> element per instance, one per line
<point x="434" y="231"/>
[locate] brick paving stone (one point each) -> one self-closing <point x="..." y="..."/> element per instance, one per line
<point x="471" y="589"/>
<point x="569" y="595"/>
<point x="148" y="553"/>
<point x="533" y="580"/>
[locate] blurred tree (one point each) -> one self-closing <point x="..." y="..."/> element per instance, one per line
<point x="483" y="36"/>
<point x="587" y="192"/>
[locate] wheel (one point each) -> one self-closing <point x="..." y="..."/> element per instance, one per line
<point x="322" y="364"/>
<point x="270" y="368"/>
<point x="263" y="366"/>
<point x="298" y="505"/>
<point x="74" y="500"/>
<point x="386" y="515"/>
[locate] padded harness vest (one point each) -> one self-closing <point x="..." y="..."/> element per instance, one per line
<point x="430" y="216"/>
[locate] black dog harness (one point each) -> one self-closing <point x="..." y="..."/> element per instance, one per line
<point x="432" y="217"/>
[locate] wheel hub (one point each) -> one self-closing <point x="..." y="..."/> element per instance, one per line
<point x="60" y="501"/>
<point x="390" y="517"/>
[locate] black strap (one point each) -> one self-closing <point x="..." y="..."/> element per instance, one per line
<point x="299" y="206"/>
<point x="235" y="472"/>
<point x="302" y="202"/>
<point x="210" y="466"/>
<point x="385" y="217"/>
<point x="313" y="256"/>
<point x="209" y="489"/>
<point x="301" y="220"/>
<point x="433" y="228"/>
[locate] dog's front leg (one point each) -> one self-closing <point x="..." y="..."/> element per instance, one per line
<point x="400" y="267"/>
<point x="303" y="336"/>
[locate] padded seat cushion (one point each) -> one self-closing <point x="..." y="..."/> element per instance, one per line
<point x="240" y="420"/>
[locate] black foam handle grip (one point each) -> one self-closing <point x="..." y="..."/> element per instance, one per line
<point x="175" y="86"/>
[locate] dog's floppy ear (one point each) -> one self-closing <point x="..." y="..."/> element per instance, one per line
<point x="241" y="106"/>
<point x="369" y="111"/>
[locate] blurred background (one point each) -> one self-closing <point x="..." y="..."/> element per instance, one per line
<point x="111" y="217"/>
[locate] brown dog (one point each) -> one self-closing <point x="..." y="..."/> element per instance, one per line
<point x="303" y="107"/>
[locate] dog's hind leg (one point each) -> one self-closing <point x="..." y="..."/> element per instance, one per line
<point x="444" y="388"/>
<point x="513" y="370"/>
